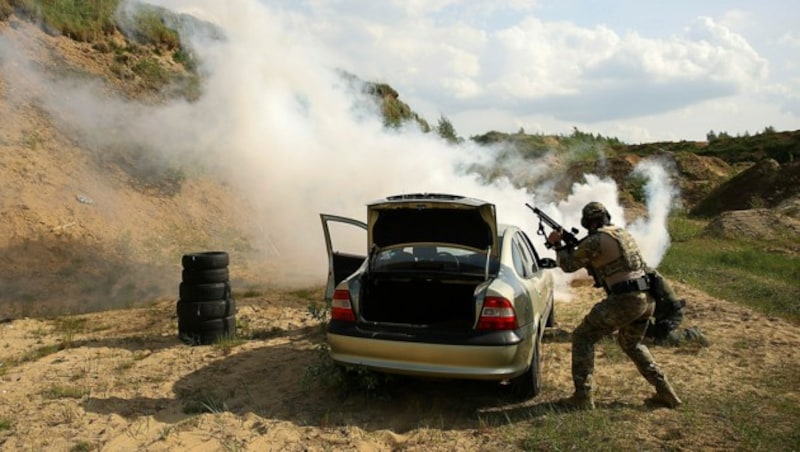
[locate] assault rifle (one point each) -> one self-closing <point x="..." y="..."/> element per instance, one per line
<point x="568" y="236"/>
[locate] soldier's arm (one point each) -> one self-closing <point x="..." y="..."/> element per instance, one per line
<point x="571" y="260"/>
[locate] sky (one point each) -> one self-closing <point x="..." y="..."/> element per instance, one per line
<point x="641" y="71"/>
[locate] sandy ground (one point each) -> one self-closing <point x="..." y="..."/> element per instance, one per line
<point x="122" y="380"/>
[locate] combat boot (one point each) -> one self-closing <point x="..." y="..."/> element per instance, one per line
<point x="577" y="401"/>
<point x="665" y="396"/>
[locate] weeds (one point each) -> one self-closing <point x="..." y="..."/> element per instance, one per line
<point x="250" y="292"/>
<point x="64" y="392"/>
<point x="245" y="331"/>
<point x="68" y="327"/>
<point x="306" y="293"/>
<point x="208" y="403"/>
<point x="227" y="342"/>
<point x="347" y="380"/>
<point x="32" y="355"/>
<point x="165" y="432"/>
<point x="81" y="446"/>
<point x="318" y="312"/>
<point x="33" y="140"/>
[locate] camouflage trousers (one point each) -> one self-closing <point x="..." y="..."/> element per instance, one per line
<point x="628" y="315"/>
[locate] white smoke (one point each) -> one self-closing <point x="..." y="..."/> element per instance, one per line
<point x="276" y="119"/>
<point x="651" y="231"/>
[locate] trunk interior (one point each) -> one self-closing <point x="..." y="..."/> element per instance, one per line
<point x="420" y="301"/>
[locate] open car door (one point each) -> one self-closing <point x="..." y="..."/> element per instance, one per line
<point x="343" y="263"/>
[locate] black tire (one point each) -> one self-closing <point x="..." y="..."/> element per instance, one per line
<point x="204" y="292"/>
<point x="206" y="332"/>
<point x="529" y="384"/>
<point x="196" y="311"/>
<point x="209" y="275"/>
<point x="205" y="260"/>
<point x="551" y="318"/>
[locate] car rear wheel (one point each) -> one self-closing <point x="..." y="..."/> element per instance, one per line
<point x="551" y="318"/>
<point x="529" y="384"/>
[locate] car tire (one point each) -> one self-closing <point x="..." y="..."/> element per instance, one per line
<point x="204" y="292"/>
<point x="529" y="384"/>
<point x="208" y="275"/>
<point x="551" y="318"/>
<point x="206" y="332"/>
<point x="205" y="260"/>
<point x="197" y="311"/>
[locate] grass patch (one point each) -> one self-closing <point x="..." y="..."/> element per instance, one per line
<point x="206" y="403"/>
<point x="250" y="292"/>
<point x="751" y="272"/>
<point x="64" y="392"/>
<point x="151" y="72"/>
<point x="82" y="20"/>
<point x="81" y="446"/>
<point x="307" y="293"/>
<point x="227" y="342"/>
<point x="610" y="350"/>
<point x="589" y="430"/>
<point x="67" y="328"/>
<point x="247" y="332"/>
<point x="346" y="380"/>
<point x="6" y="424"/>
<point x="30" y="356"/>
<point x="762" y="419"/>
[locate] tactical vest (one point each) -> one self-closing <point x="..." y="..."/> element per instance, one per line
<point x="629" y="260"/>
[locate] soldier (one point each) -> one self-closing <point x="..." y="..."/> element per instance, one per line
<point x="612" y="254"/>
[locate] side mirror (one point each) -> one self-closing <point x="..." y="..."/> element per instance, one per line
<point x="547" y="262"/>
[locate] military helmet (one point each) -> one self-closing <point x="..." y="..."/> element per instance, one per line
<point x="594" y="211"/>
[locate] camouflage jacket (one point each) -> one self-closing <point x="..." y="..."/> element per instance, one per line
<point x="610" y="253"/>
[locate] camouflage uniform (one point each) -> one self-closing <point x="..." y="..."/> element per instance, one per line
<point x="612" y="255"/>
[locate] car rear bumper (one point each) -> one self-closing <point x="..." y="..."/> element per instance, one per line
<point x="479" y="362"/>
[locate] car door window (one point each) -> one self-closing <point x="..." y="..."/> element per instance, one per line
<point x="523" y="261"/>
<point x="344" y="257"/>
<point x="532" y="251"/>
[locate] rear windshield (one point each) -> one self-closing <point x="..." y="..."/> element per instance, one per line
<point x="433" y="257"/>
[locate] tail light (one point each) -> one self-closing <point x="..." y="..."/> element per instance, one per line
<point x="341" y="309"/>
<point x="497" y="314"/>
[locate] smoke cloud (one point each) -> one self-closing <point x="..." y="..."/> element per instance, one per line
<point x="278" y="121"/>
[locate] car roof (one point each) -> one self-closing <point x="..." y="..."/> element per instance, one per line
<point x="429" y="197"/>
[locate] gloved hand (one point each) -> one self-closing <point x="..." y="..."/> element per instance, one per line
<point x="555" y="237"/>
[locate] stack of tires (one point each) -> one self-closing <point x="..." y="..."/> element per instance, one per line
<point x="206" y="309"/>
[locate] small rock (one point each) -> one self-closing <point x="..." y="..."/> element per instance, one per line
<point x="84" y="199"/>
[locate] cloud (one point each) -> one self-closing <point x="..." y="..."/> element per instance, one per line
<point x="507" y="57"/>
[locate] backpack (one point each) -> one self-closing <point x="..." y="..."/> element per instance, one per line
<point x="668" y="313"/>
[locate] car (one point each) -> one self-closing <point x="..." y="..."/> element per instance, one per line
<point x="440" y="290"/>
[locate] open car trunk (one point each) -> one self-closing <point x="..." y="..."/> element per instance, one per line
<point x="445" y="304"/>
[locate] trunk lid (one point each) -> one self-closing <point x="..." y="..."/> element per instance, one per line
<point x="439" y="218"/>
